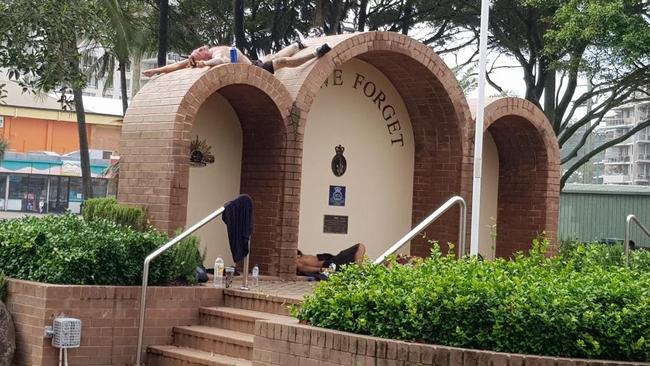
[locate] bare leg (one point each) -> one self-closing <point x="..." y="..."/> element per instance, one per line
<point x="295" y="61"/>
<point x="361" y="251"/>
<point x="285" y="52"/>
<point x="167" y="68"/>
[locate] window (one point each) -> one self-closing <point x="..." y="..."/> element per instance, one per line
<point x="3" y="191"/>
<point x="17" y="192"/>
<point x="36" y="193"/>
<point x="58" y="199"/>
<point x="99" y="187"/>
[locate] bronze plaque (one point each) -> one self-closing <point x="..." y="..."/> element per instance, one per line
<point x="335" y="224"/>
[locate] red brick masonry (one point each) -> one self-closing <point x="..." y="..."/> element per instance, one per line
<point x="273" y="112"/>
<point x="290" y="344"/>
<point x="109" y="316"/>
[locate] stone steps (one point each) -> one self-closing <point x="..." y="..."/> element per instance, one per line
<point x="210" y="339"/>
<point x="177" y="356"/>
<point x="224" y="335"/>
<point x="240" y="320"/>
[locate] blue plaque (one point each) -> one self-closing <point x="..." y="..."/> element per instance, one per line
<point x="337" y="196"/>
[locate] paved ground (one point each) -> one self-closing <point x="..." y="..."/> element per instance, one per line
<point x="288" y="289"/>
<point x="15" y="215"/>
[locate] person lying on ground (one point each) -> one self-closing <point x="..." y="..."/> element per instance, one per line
<point x="217" y="55"/>
<point x="306" y="263"/>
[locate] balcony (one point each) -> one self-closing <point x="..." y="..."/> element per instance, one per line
<point x="620" y="159"/>
<point x="642" y="177"/>
<point x="616" y="179"/>
<point x="643" y="157"/>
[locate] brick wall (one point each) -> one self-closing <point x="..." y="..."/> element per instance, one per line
<point x="109" y="316"/>
<point x="289" y="344"/>
<point x="156" y="136"/>
<point x="436" y="106"/>
<point x="529" y="174"/>
<point x="273" y="112"/>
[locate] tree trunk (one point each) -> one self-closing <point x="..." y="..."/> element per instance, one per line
<point x="238" y="24"/>
<point x="407" y="20"/>
<point x="123" y="88"/>
<point x="163" y="33"/>
<point x="83" y="143"/>
<point x="335" y="15"/>
<point x="549" y="97"/>
<point x="319" y="19"/>
<point x="135" y="74"/>
<point x="363" y="15"/>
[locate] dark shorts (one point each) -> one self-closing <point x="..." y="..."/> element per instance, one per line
<point x="268" y="65"/>
<point x="346" y="256"/>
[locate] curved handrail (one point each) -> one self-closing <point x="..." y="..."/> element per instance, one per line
<point x="145" y="272"/>
<point x="426" y="222"/>
<point x="626" y="244"/>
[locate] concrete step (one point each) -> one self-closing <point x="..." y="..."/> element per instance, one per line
<point x="178" y="356"/>
<point x="209" y="339"/>
<point x="259" y="302"/>
<point x="240" y="320"/>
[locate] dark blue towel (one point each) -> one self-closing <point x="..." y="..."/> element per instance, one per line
<point x="238" y="216"/>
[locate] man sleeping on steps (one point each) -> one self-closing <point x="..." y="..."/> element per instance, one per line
<point x="313" y="264"/>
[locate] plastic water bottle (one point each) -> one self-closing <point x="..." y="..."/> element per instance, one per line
<point x="218" y="272"/>
<point x="256" y="275"/>
<point x="233" y="54"/>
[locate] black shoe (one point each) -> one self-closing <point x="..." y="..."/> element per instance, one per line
<point x="300" y="40"/>
<point x="322" y="50"/>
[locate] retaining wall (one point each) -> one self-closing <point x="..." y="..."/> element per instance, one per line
<point x="109" y="316"/>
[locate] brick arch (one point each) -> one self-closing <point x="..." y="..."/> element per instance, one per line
<point x="156" y="135"/>
<point x="529" y="174"/>
<point x="436" y="105"/>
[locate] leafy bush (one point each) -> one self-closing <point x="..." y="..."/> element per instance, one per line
<point x="186" y="258"/>
<point x="108" y="209"/>
<point x="573" y="305"/>
<point x="69" y="250"/>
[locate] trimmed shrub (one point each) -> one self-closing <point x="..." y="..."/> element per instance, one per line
<point x="108" y="209"/>
<point x="69" y="250"/>
<point x="573" y="305"/>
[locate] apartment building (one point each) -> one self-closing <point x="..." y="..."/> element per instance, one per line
<point x="629" y="161"/>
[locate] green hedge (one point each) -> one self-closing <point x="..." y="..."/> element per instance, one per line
<point x="70" y="250"/>
<point x="582" y="303"/>
<point x="108" y="209"/>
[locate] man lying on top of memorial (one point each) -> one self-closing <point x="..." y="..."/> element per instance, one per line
<point x="217" y="55"/>
<point x="313" y="264"/>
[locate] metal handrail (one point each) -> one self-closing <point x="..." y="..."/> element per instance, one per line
<point x="145" y="272"/>
<point x="628" y="220"/>
<point x="426" y="222"/>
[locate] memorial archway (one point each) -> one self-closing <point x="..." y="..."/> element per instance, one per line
<point x="527" y="196"/>
<point x="432" y="100"/>
<point x="241" y="113"/>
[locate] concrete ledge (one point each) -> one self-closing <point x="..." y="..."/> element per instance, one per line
<point x="278" y="343"/>
<point x="109" y="316"/>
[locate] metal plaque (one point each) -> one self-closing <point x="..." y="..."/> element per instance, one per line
<point x="335" y="224"/>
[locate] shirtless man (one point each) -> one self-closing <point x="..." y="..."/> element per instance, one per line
<point x="217" y="55"/>
<point x="315" y="263"/>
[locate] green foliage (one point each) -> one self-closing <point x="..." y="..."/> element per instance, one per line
<point x="69" y="250"/>
<point x="582" y="303"/>
<point x="3" y="286"/>
<point x="187" y="257"/>
<point x="108" y="209"/>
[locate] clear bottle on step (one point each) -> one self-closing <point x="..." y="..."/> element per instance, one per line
<point x="256" y="276"/>
<point x="218" y="272"/>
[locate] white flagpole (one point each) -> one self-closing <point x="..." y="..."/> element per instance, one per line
<point x="478" y="133"/>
